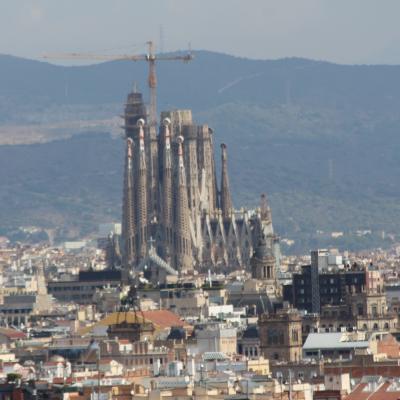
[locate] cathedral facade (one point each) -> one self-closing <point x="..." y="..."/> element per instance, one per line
<point x="172" y="201"/>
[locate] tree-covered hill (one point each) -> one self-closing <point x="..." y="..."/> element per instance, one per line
<point x="321" y="139"/>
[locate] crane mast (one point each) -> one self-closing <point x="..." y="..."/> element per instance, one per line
<point x="151" y="58"/>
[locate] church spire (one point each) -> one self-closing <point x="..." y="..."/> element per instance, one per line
<point x="183" y="244"/>
<point x="128" y="210"/>
<point x="166" y="190"/>
<point x="142" y="195"/>
<point x="225" y="194"/>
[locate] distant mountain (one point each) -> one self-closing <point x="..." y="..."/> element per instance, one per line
<point x="321" y="139"/>
<point x="211" y="79"/>
<point x="74" y="182"/>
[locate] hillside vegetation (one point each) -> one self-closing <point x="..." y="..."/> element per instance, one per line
<point x="321" y="139"/>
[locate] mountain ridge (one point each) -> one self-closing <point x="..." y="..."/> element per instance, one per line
<point x="317" y="136"/>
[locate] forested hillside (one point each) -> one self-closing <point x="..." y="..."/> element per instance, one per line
<point x="321" y="139"/>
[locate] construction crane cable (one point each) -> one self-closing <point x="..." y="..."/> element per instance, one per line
<point x="150" y="57"/>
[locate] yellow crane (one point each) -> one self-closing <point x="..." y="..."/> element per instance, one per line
<point x="151" y="58"/>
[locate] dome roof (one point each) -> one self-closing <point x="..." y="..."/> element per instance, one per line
<point x="177" y="333"/>
<point x="57" y="358"/>
<point x="263" y="251"/>
<point x="251" y="332"/>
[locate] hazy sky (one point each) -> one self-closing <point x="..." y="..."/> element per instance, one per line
<point x="344" y="31"/>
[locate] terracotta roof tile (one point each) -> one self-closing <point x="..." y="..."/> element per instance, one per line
<point x="361" y="392"/>
<point x="163" y="318"/>
<point x="160" y="318"/>
<point x="12" y="334"/>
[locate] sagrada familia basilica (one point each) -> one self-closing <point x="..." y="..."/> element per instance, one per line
<point x="175" y="207"/>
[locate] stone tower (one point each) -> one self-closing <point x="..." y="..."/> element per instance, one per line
<point x="206" y="167"/>
<point x="142" y="204"/>
<point x="167" y="193"/>
<point x="263" y="261"/>
<point x="265" y="209"/>
<point x="280" y="335"/>
<point x="134" y="110"/>
<point x="370" y="306"/>
<point x="192" y="178"/>
<point x="128" y="211"/>
<point x="225" y="193"/>
<point x="152" y="172"/>
<point x="263" y="265"/>
<point x="135" y="197"/>
<point x="183" y="243"/>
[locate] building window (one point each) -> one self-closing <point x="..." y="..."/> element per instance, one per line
<point x="374" y="309"/>
<point x="274" y="337"/>
<point x="360" y="309"/>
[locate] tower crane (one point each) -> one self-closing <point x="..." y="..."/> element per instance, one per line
<point x="151" y="58"/>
